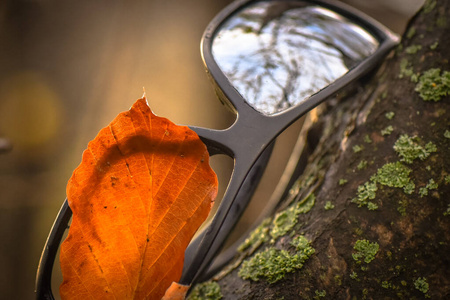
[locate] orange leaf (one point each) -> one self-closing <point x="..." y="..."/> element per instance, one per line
<point x="143" y="188"/>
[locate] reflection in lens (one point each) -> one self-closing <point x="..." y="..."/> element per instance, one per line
<point x="277" y="54"/>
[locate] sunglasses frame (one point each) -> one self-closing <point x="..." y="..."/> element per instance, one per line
<point x="236" y="142"/>
<point x="205" y="250"/>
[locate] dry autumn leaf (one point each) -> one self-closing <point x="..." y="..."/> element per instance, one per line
<point x="143" y="188"/>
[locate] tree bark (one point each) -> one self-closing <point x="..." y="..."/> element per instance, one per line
<point x="374" y="235"/>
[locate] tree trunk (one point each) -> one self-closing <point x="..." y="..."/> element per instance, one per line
<point x="379" y="183"/>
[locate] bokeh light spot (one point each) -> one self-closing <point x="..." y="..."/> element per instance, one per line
<point x="30" y="110"/>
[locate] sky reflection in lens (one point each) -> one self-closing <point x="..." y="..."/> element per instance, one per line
<point x="277" y="54"/>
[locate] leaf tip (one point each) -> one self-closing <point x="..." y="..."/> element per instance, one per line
<point x="176" y="291"/>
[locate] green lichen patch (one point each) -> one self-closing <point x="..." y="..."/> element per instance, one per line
<point x="409" y="148"/>
<point x="209" y="290"/>
<point x="402" y="207"/>
<point x="354" y="275"/>
<point x="447" y="212"/>
<point x="362" y="165"/>
<point x="300" y="243"/>
<point x="429" y="6"/>
<point x="285" y="220"/>
<point x="319" y="294"/>
<point x="431" y="185"/>
<point x="273" y="264"/>
<point x="447" y="134"/>
<point x="421" y="284"/>
<point x="342" y="181"/>
<point x="411" y="32"/>
<point x="258" y="236"/>
<point x="413" y="49"/>
<point x="434" y="45"/>
<point x="433" y="85"/>
<point x="328" y="205"/>
<point x="406" y="70"/>
<point x="389" y="115"/>
<point x="367" y="139"/>
<point x="306" y="204"/>
<point x="393" y="175"/>
<point x="366" y="192"/>
<point x="441" y="21"/>
<point x="387" y="131"/>
<point x="386" y="284"/>
<point x="365" y="251"/>
<point x="357" y="148"/>
<point x="371" y="206"/>
<point x="447" y="179"/>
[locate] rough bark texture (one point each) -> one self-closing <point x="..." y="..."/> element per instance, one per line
<point x="410" y="224"/>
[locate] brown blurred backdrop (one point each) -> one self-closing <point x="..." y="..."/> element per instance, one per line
<point x="67" y="68"/>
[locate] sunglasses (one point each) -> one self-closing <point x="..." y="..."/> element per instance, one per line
<point x="270" y="62"/>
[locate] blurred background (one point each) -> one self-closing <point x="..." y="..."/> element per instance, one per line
<point x="67" y="68"/>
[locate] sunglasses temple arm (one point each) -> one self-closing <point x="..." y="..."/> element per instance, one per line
<point x="44" y="272"/>
<point x="241" y="201"/>
<point x="224" y="220"/>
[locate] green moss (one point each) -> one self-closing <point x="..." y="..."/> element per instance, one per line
<point x="367" y="139"/>
<point x="362" y="164"/>
<point x="413" y="49"/>
<point x="409" y="148"/>
<point x="429" y="6"/>
<point x="411" y="32"/>
<point x="387" y="131"/>
<point x="306" y="204"/>
<point x="447" y="179"/>
<point x="441" y="21"/>
<point x="365" y="250"/>
<point x="447" y="134"/>
<point x="386" y="284"/>
<point x="328" y="205"/>
<point x="393" y="175"/>
<point x="257" y="236"/>
<point x="285" y="220"/>
<point x="357" y="148"/>
<point x="447" y="212"/>
<point x="409" y="188"/>
<point x="338" y="279"/>
<point x="209" y="290"/>
<point x="300" y="243"/>
<point x="432" y="86"/>
<point x="389" y="115"/>
<point x="407" y="71"/>
<point x="434" y="45"/>
<point x="366" y="192"/>
<point x="319" y="294"/>
<point x="431" y="185"/>
<point x="353" y="275"/>
<point x="273" y="264"/>
<point x="423" y="192"/>
<point x="421" y="284"/>
<point x="371" y="206"/>
<point x="402" y="207"/>
<point x="342" y="181"/>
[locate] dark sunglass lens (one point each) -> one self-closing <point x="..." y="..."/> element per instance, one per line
<point x="277" y="54"/>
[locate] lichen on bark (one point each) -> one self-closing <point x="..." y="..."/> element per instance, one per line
<point x="411" y="231"/>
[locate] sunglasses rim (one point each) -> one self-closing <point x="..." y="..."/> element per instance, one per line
<point x="232" y="98"/>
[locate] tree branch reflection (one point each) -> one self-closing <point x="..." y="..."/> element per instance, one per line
<point x="278" y="54"/>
